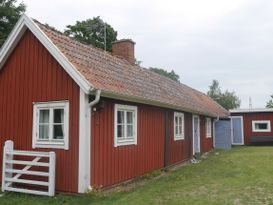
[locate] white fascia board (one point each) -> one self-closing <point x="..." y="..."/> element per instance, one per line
<point x="251" y="110"/>
<point x="25" y="22"/>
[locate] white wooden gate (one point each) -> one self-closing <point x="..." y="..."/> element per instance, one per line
<point x="11" y="175"/>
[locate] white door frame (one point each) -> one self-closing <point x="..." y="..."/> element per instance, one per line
<point x="242" y="124"/>
<point x="193" y="149"/>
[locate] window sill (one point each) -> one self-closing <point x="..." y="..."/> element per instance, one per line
<point x="178" y="138"/>
<point x="125" y="142"/>
<point x="261" y="130"/>
<point x="50" y="145"/>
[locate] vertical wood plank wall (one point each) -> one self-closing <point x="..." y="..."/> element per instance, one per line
<point x="180" y="150"/>
<point x="30" y="75"/>
<point x="206" y="143"/>
<point x="111" y="164"/>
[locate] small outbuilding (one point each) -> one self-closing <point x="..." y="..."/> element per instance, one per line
<point x="251" y="126"/>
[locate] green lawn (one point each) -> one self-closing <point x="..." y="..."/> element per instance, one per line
<point x="240" y="176"/>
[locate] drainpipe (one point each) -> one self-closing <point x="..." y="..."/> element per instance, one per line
<point x="214" y="134"/>
<point x="97" y="99"/>
<point x="90" y="105"/>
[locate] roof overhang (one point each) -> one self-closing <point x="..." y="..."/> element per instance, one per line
<point x="19" y="29"/>
<point x="257" y="110"/>
<point x="154" y="103"/>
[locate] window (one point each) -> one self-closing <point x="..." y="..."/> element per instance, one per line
<point x="261" y="126"/>
<point x="50" y="125"/>
<point x="178" y="126"/>
<point x="125" y="125"/>
<point x="208" y="127"/>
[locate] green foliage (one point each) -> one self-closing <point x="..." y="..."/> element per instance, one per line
<point x="227" y="99"/>
<point x="172" y="75"/>
<point x="92" y="31"/>
<point x="9" y="15"/>
<point x="269" y="103"/>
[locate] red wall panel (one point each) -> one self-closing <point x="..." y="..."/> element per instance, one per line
<point x="109" y="164"/>
<point x="247" y="120"/>
<point x="180" y="150"/>
<point x="30" y="75"/>
<point x="206" y="143"/>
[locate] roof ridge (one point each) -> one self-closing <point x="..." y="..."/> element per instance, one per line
<point x="52" y="29"/>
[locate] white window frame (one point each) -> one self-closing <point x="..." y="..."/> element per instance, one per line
<point x="208" y="127"/>
<point x="51" y="143"/>
<point x="123" y="142"/>
<point x="260" y="122"/>
<point x="176" y="136"/>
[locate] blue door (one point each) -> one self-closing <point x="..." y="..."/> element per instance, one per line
<point x="237" y="132"/>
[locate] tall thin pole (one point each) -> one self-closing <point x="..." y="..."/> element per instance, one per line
<point x="104" y="36"/>
<point x="250" y="103"/>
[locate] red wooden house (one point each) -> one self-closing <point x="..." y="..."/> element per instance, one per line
<point x="107" y="119"/>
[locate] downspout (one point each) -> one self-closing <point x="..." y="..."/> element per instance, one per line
<point x="97" y="99"/>
<point x="90" y="105"/>
<point x="214" y="132"/>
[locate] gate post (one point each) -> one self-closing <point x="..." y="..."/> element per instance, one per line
<point x="9" y="145"/>
<point x="51" y="178"/>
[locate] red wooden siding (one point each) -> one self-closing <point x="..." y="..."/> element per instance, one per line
<point x="109" y="164"/>
<point x="180" y="150"/>
<point x="247" y="120"/>
<point x="32" y="75"/>
<point x="206" y="143"/>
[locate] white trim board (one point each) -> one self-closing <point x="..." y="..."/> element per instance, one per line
<point x="251" y="110"/>
<point x="84" y="144"/>
<point x="19" y="29"/>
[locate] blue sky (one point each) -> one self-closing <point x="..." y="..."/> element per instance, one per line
<point x="231" y="41"/>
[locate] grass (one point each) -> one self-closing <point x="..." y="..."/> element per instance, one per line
<point x="241" y="176"/>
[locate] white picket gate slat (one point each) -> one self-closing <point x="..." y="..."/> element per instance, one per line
<point x="10" y="175"/>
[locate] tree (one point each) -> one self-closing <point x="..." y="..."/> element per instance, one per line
<point x="92" y="31"/>
<point x="172" y="75"/>
<point x="269" y="103"/>
<point x="9" y="15"/>
<point x="227" y="99"/>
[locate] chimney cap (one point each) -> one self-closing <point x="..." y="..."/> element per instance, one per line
<point x="124" y="40"/>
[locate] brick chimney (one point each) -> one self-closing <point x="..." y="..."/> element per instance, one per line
<point x="124" y="48"/>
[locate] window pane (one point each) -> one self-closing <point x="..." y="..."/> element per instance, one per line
<point x="176" y="120"/>
<point x="58" y="132"/>
<point x="261" y="126"/>
<point x="176" y="130"/>
<point x="44" y="116"/>
<point x="130" y="117"/>
<point x="180" y="131"/>
<point x="130" y="131"/>
<point x="43" y="131"/>
<point x="180" y="120"/>
<point x="120" y="131"/>
<point x="58" y="115"/>
<point x="120" y="117"/>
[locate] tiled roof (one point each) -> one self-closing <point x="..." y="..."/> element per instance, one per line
<point x="117" y="77"/>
